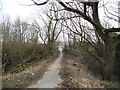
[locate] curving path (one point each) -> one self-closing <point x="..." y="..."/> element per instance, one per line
<point x="51" y="78"/>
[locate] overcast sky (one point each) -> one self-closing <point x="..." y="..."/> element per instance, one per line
<point x="15" y="8"/>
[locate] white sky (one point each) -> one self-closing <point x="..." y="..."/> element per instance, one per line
<point x="14" y="8"/>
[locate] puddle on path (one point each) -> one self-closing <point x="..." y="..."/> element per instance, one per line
<point x="51" y="78"/>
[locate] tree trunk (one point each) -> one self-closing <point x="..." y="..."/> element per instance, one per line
<point x="109" y="59"/>
<point x="108" y="40"/>
<point x="117" y="59"/>
<point x="108" y="66"/>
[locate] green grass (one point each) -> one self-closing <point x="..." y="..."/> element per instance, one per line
<point x="7" y="86"/>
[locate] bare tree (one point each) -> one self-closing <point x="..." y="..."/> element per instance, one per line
<point x="101" y="31"/>
<point x="19" y="31"/>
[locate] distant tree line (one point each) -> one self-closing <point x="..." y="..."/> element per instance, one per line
<point x="24" y="42"/>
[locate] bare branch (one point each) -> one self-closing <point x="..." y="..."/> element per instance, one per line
<point x="65" y="18"/>
<point x="111" y="30"/>
<point x="40" y="3"/>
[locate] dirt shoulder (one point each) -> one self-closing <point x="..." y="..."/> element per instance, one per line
<point x="29" y="76"/>
<point x="78" y="73"/>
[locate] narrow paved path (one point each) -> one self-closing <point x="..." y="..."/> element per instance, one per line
<point x="51" y="78"/>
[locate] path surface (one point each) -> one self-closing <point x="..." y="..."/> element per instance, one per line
<point x="51" y="78"/>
